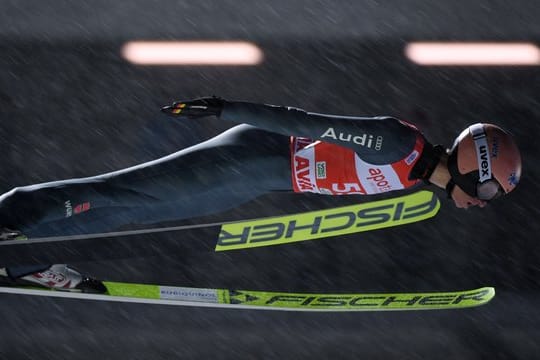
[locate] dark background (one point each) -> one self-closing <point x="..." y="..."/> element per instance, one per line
<point x="70" y="106"/>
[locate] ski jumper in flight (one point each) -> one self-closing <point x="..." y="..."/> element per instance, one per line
<point x="274" y="148"/>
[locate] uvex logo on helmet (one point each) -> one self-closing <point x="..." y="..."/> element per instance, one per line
<point x="484" y="164"/>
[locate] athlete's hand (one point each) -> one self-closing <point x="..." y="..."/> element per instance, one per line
<point x="196" y="108"/>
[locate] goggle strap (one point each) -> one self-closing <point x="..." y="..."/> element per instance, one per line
<point x="482" y="152"/>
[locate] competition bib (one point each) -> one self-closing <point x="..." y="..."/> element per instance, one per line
<point x="326" y="168"/>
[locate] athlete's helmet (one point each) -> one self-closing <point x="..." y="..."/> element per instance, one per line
<point x="484" y="162"/>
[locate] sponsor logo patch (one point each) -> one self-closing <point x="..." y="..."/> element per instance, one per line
<point x="484" y="164"/>
<point x="378" y="181"/>
<point x="513" y="179"/>
<point x="188" y="294"/>
<point x="77" y="209"/>
<point x="81" y="208"/>
<point x="495" y="147"/>
<point x="321" y="169"/>
<point x="69" y="208"/>
<point x="50" y="278"/>
<point x="366" y="140"/>
<point x="303" y="164"/>
<point x="410" y="159"/>
<point x="302" y="169"/>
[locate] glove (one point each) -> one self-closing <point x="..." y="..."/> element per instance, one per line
<point x="196" y="108"/>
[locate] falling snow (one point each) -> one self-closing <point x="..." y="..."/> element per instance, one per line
<point x="71" y="106"/>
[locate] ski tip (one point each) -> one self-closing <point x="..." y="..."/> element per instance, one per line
<point x="490" y="292"/>
<point x="477" y="297"/>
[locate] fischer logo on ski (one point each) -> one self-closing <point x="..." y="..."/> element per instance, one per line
<point x="330" y="222"/>
<point x="271" y="300"/>
<point x="389" y="301"/>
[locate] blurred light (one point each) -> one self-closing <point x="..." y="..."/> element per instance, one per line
<point x="490" y="54"/>
<point x="192" y="53"/>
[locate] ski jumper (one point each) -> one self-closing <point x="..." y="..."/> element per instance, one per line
<point x="275" y="149"/>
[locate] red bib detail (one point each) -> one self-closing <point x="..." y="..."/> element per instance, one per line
<point x="326" y="168"/>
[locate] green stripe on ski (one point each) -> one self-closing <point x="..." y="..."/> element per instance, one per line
<point x="329" y="222"/>
<point x="132" y="290"/>
<point x="303" y="301"/>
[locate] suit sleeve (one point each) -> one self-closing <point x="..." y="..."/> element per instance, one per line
<point x="378" y="140"/>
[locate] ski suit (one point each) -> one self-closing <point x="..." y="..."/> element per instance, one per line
<point x="274" y="149"/>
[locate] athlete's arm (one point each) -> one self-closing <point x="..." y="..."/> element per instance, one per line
<point x="375" y="139"/>
<point x="378" y="140"/>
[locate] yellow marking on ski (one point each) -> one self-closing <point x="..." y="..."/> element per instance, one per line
<point x="325" y="223"/>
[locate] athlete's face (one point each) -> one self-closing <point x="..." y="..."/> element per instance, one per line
<point x="464" y="200"/>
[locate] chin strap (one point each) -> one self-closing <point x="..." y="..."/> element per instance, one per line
<point x="424" y="167"/>
<point x="450" y="187"/>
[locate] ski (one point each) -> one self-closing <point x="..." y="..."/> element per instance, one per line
<point x="270" y="300"/>
<point x="285" y="229"/>
<point x="325" y="223"/>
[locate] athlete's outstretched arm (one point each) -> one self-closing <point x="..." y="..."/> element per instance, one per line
<point x="375" y="139"/>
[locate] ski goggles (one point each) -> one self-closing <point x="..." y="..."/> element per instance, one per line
<point x="479" y="184"/>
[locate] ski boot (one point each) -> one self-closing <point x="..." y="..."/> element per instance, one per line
<point x="57" y="277"/>
<point x="8" y="234"/>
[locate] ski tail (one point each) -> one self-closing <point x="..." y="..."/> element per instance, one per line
<point x="271" y="300"/>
